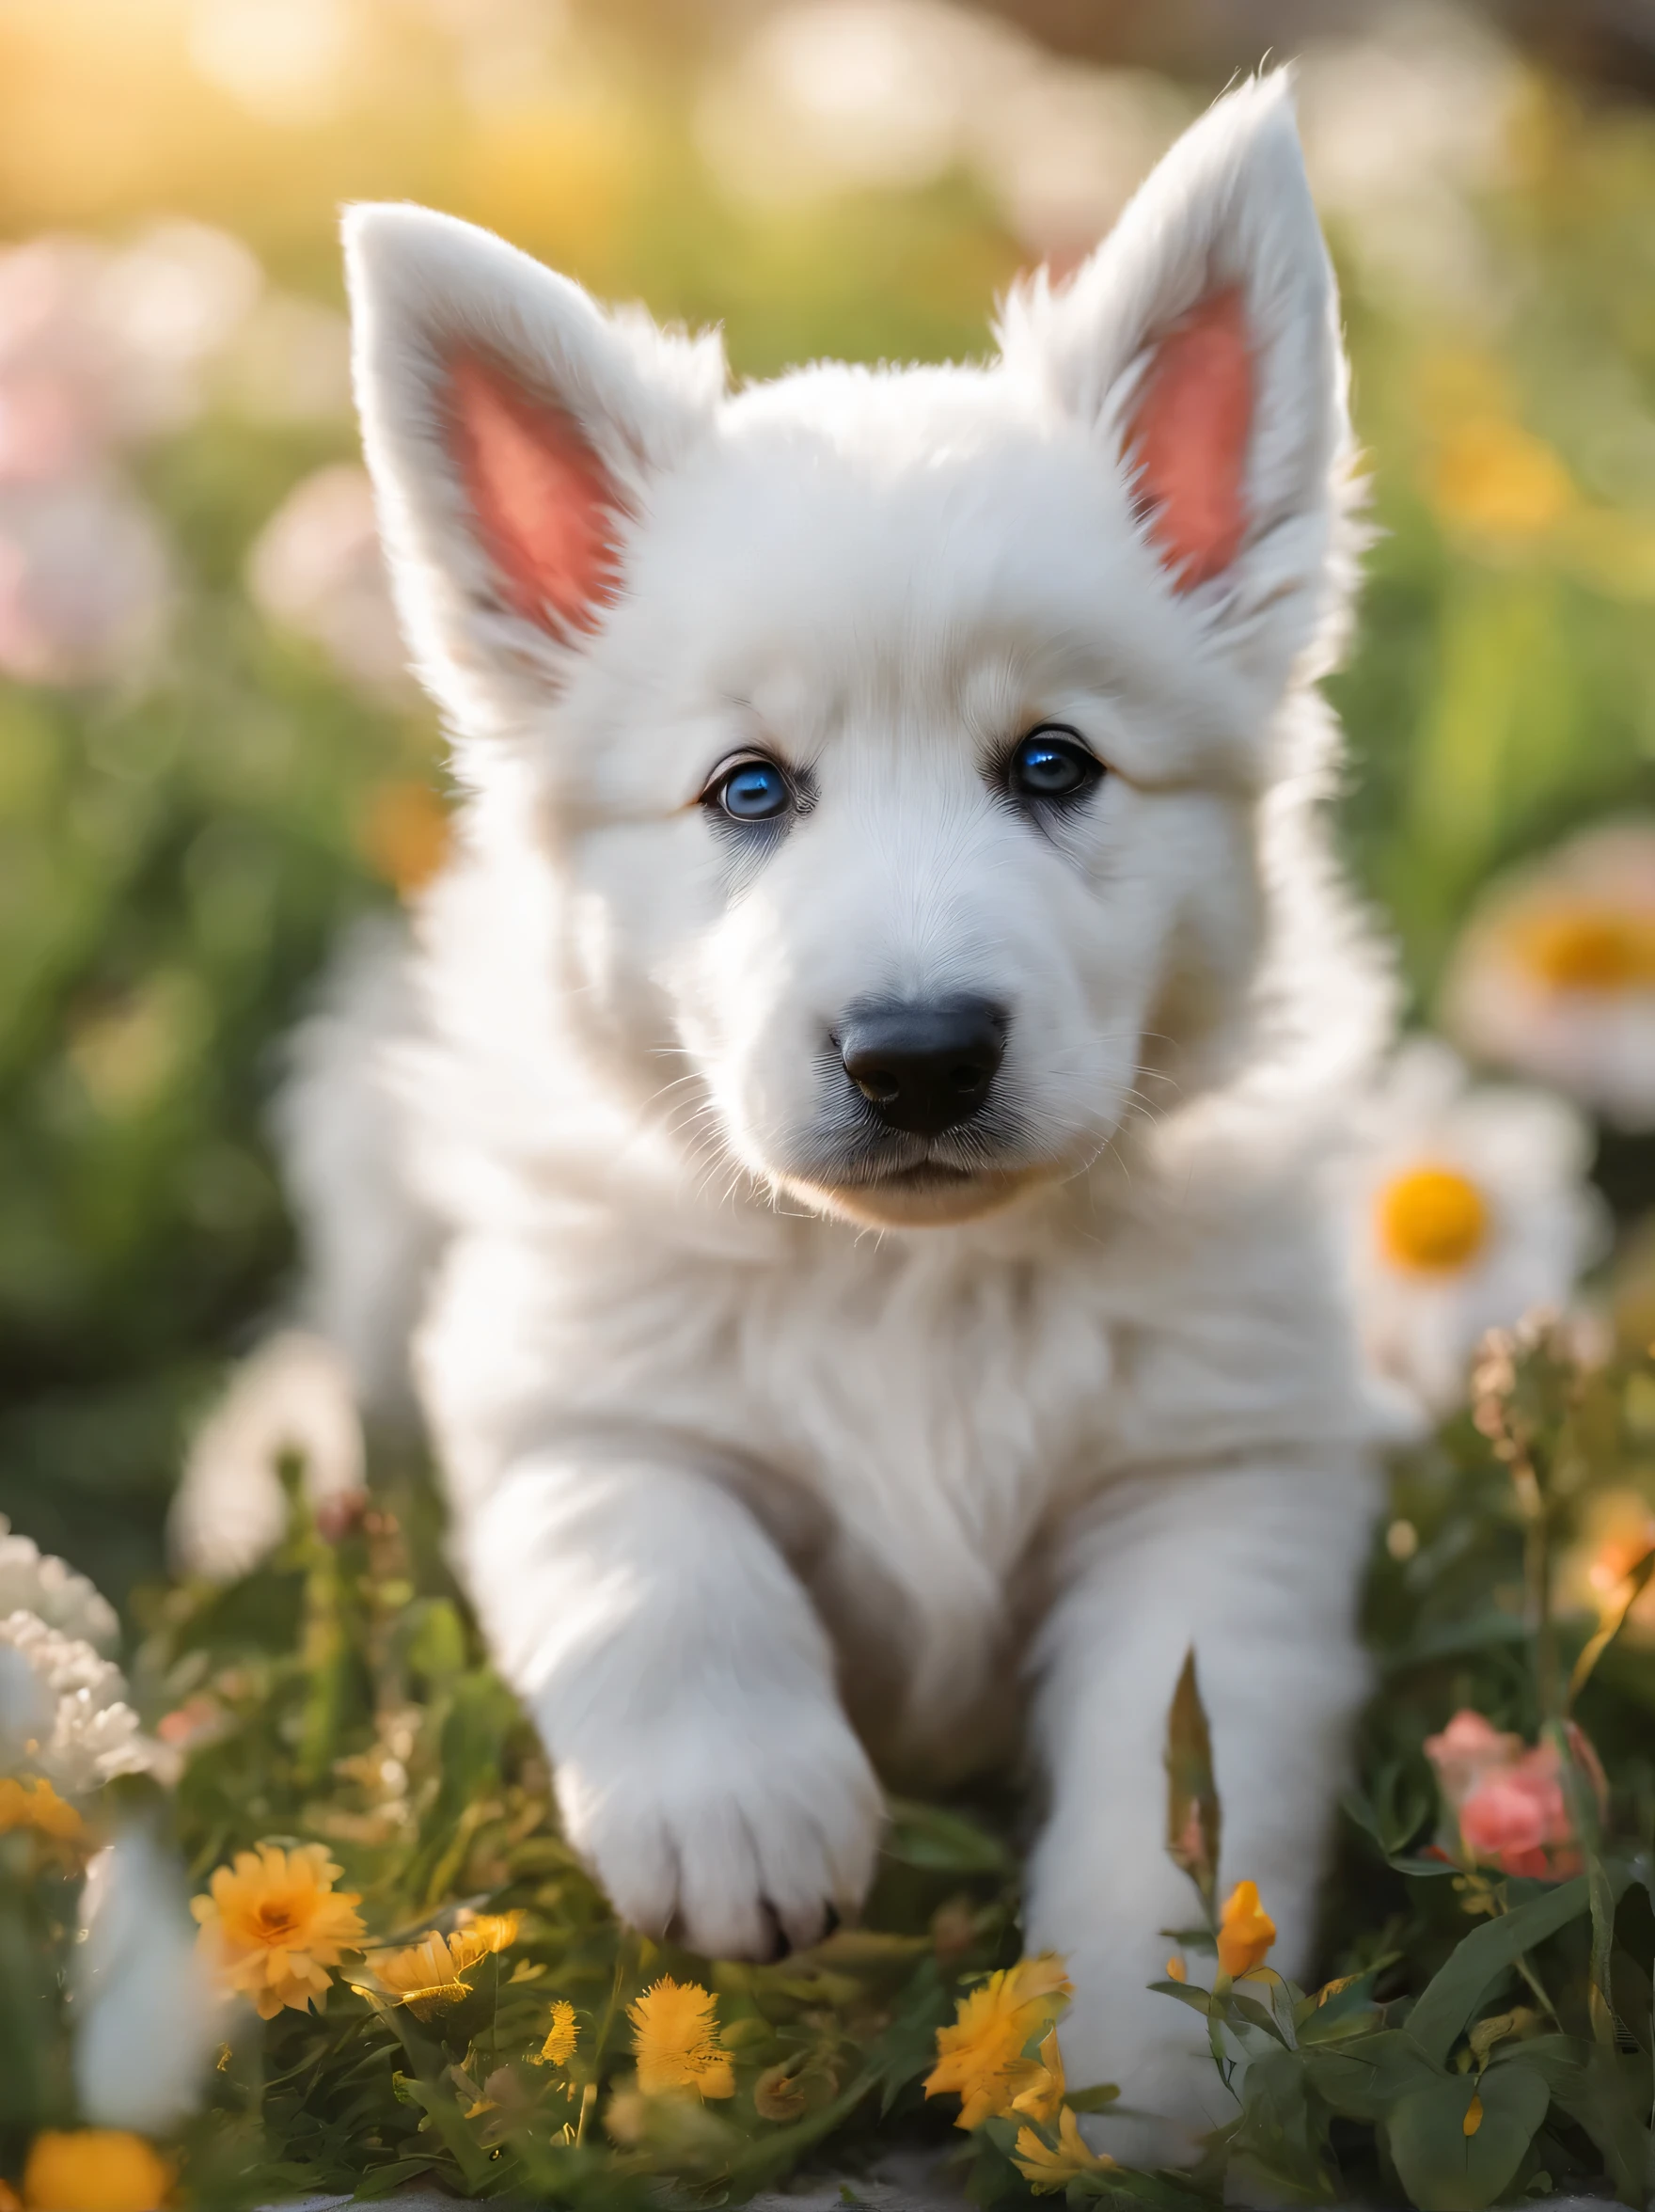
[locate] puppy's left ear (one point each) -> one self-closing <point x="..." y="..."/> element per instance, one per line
<point x="1200" y="342"/>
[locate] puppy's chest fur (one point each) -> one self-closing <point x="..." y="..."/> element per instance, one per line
<point x="915" y="1422"/>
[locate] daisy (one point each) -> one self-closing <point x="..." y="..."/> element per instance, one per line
<point x="1555" y="972"/>
<point x="1468" y="1208"/>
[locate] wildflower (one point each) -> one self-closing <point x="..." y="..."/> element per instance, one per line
<point x="272" y="1924"/>
<point x="34" y="1582"/>
<point x="1468" y="1206"/>
<point x="430" y="1976"/>
<point x="146" y="2012"/>
<point x="94" y="2170"/>
<point x="1246" y="1932"/>
<point x="404" y="834"/>
<point x="1616" y="1533"/>
<point x="494" y="1931"/>
<point x="316" y="570"/>
<point x="981" y="2057"/>
<point x="1474" y="2115"/>
<point x="1494" y="479"/>
<point x="295" y="1395"/>
<point x="1178" y="1970"/>
<point x="561" y="2036"/>
<point x="1509" y="1802"/>
<point x="63" y="1709"/>
<point x="676" y="2041"/>
<point x="1047" y="2169"/>
<point x="1045" y="2094"/>
<point x="1555" y="975"/>
<point x="37" y="1804"/>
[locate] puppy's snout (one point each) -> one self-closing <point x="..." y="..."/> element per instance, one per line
<point x="924" y="1067"/>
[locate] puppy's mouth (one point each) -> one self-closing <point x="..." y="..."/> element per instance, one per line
<point x="913" y="1194"/>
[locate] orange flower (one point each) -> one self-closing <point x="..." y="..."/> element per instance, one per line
<point x="676" y="2041"/>
<point x="94" y="2170"/>
<point x="37" y="1804"/>
<point x="1246" y="1932"/>
<point x="1045" y="2169"/>
<point x="980" y="2058"/>
<point x="273" y="1925"/>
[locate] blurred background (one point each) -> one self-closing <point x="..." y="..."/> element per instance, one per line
<point x="210" y="756"/>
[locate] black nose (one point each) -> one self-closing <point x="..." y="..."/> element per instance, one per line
<point x="925" y="1069"/>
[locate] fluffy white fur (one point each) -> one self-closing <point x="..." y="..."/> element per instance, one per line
<point x="752" y="1495"/>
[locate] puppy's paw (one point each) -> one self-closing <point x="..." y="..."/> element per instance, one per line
<point x="737" y="1828"/>
<point x="1157" y="2054"/>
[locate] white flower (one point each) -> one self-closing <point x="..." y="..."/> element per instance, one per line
<point x="85" y="582"/>
<point x="147" y="2016"/>
<point x="63" y="1709"/>
<point x="35" y="1581"/>
<point x="293" y="1396"/>
<point x="1555" y="972"/>
<point x="1469" y="1207"/>
<point x="316" y="569"/>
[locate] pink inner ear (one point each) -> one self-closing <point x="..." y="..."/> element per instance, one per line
<point x="1186" y="443"/>
<point x="544" y="502"/>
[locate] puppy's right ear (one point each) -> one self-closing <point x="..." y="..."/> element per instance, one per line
<point x="513" y="431"/>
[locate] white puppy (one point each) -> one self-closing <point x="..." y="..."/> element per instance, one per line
<point x="880" y="1037"/>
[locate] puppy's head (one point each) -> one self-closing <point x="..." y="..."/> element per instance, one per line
<point x="897" y="738"/>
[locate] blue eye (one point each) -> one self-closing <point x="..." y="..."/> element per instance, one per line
<point x="1051" y="765"/>
<point x="752" y="791"/>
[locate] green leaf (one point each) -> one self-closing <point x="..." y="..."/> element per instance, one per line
<point x="1441" y="2167"/>
<point x="942" y="1841"/>
<point x="1457" y="1990"/>
<point x="1096" y="2099"/>
<point x="1363" y="2080"/>
<point x="1194" y="1823"/>
<point x="1281" y="2137"/>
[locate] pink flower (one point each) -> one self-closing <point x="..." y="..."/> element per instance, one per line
<point x="1510" y="1801"/>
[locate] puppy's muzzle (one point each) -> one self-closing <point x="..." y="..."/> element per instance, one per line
<point x="924" y="1067"/>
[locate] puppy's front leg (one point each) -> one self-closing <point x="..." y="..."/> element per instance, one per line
<point x="1257" y="1568"/>
<point x="685" y="1689"/>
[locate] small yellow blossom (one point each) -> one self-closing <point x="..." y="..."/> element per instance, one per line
<point x="1474" y="2115"/>
<point x="981" y="2057"/>
<point x="1046" y="2169"/>
<point x="37" y="1804"/>
<point x="1246" y="1932"/>
<point x="561" y="2036"/>
<point x="1044" y="2094"/>
<point x="676" y="2041"/>
<point x="494" y="1931"/>
<point x="1178" y="1970"/>
<point x="272" y="1924"/>
<point x="1496" y="480"/>
<point x="94" y="2170"/>
<point x="429" y="1976"/>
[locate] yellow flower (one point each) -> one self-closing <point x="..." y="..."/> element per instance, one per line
<point x="494" y="1931"/>
<point x="1498" y="480"/>
<point x="1045" y="2169"/>
<point x="1474" y="2115"/>
<point x="272" y="1925"/>
<point x="981" y="2057"/>
<point x="561" y="2036"/>
<point x="676" y="2041"/>
<point x="429" y="1976"/>
<point x="94" y="2170"/>
<point x="1246" y="1932"/>
<point x="1044" y="2094"/>
<point x="1178" y="1970"/>
<point x="1431" y="1220"/>
<point x="37" y="1804"/>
